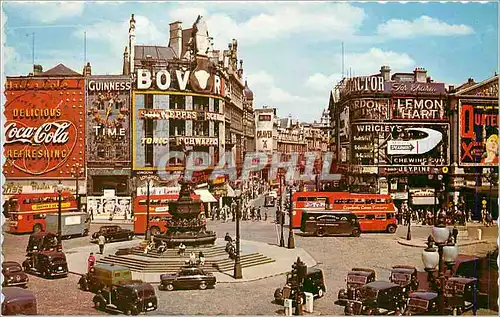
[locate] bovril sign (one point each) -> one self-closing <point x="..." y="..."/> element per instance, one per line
<point x="199" y="81"/>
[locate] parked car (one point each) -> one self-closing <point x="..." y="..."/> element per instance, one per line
<point x="314" y="283"/>
<point x="72" y="224"/>
<point x="131" y="298"/>
<point x="102" y="275"/>
<point x="187" y="278"/>
<point x="18" y="301"/>
<point x="113" y="233"/>
<point x="47" y="264"/>
<point x="460" y="292"/>
<point x="405" y="276"/>
<point x="41" y="241"/>
<point x="356" y="278"/>
<point x="378" y="298"/>
<point x="422" y="303"/>
<point x="13" y="274"/>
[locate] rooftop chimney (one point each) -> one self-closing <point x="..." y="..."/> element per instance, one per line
<point x="451" y="88"/>
<point x="470" y="80"/>
<point x="385" y="71"/>
<point x="37" y="70"/>
<point x="175" y="42"/>
<point x="420" y="75"/>
<point x="87" y="70"/>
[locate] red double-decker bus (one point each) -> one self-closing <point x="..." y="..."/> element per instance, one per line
<point x="158" y="212"/>
<point x="27" y="212"/>
<point x="375" y="212"/>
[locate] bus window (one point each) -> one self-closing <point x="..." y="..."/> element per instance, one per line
<point x="302" y="199"/>
<point x="380" y="217"/>
<point x="142" y="202"/>
<point x="390" y="215"/>
<point x="370" y="217"/>
<point x="360" y="216"/>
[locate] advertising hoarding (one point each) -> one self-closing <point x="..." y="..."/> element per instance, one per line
<point x="419" y="109"/>
<point x="44" y="132"/>
<point x="369" y="109"/>
<point x="400" y="144"/>
<point x="108" y="120"/>
<point x="478" y="131"/>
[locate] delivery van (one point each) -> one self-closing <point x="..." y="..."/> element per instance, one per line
<point x="72" y="224"/>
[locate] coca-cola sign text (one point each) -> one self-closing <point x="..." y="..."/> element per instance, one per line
<point x="47" y="133"/>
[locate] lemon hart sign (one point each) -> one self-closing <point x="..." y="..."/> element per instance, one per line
<point x="44" y="131"/>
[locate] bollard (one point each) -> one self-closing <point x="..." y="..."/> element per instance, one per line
<point x="287" y="303"/>
<point x="479" y="234"/>
<point x="309" y="307"/>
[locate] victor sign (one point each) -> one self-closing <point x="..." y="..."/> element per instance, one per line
<point x="44" y="132"/>
<point x="364" y="84"/>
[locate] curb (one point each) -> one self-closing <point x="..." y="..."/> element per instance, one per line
<point x="253" y="279"/>
<point x="423" y="246"/>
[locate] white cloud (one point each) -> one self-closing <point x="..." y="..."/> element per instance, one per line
<point x="48" y="12"/>
<point x="423" y="26"/>
<point x="10" y="55"/>
<point x="322" y="82"/>
<point x="369" y="62"/>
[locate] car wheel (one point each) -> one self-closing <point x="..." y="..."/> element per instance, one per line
<point x="84" y="286"/>
<point x="203" y="285"/>
<point x="134" y="311"/>
<point x="356" y="233"/>
<point x="45" y="274"/>
<point x="320" y="232"/>
<point x="169" y="287"/>
<point x="37" y="228"/>
<point x="391" y="228"/>
<point x="320" y="293"/>
<point x="131" y="236"/>
<point x="99" y="304"/>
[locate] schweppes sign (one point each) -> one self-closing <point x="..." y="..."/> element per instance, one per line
<point x="50" y="206"/>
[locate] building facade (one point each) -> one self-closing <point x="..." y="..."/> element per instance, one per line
<point x="393" y="134"/>
<point x="474" y="125"/>
<point x="45" y="131"/>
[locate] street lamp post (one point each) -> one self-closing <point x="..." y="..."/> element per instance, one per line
<point x="59" y="216"/>
<point x="291" y="239"/>
<point x="281" y="220"/>
<point x="446" y="254"/>
<point x="237" y="261"/>
<point x="147" y="233"/>
<point x="408" y="234"/>
<point x="76" y="171"/>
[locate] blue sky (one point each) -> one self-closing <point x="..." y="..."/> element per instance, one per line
<point x="291" y="51"/>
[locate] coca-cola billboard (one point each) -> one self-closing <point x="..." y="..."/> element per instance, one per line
<point x="44" y="131"/>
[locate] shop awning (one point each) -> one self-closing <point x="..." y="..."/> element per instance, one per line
<point x="205" y="196"/>
<point x="230" y="191"/>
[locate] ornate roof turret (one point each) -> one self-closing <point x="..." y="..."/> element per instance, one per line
<point x="248" y="93"/>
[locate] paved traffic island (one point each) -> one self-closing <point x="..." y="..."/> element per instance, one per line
<point x="259" y="260"/>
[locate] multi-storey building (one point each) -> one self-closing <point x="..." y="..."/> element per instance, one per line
<point x="393" y="134"/>
<point x="474" y="126"/>
<point x="291" y="138"/>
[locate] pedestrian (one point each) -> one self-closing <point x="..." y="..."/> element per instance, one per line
<point x="455" y="234"/>
<point x="102" y="242"/>
<point x="259" y="216"/>
<point x="201" y="258"/>
<point x="182" y="249"/>
<point x="228" y="237"/>
<point x="265" y="214"/>
<point x="90" y="262"/>
<point x="192" y="259"/>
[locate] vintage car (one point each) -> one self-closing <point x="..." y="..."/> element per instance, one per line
<point x="460" y="293"/>
<point x="314" y="283"/>
<point x="131" y="298"/>
<point x="41" y="241"/>
<point x="422" y="303"/>
<point x="378" y="298"/>
<point x="47" y="264"/>
<point x="405" y="276"/>
<point x="187" y="278"/>
<point x="18" y="301"/>
<point x="102" y="275"/>
<point x="113" y="233"/>
<point x="13" y="274"/>
<point x="356" y="278"/>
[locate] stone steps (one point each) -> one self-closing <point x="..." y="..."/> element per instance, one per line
<point x="151" y="266"/>
<point x="173" y="253"/>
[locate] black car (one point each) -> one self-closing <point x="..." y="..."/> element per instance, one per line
<point x="423" y="303"/>
<point x="47" y="264"/>
<point x="314" y="283"/>
<point x="187" y="278"/>
<point x="131" y="298"/>
<point x="356" y="278"/>
<point x="378" y="298"/>
<point x="405" y="276"/>
<point x="113" y="233"/>
<point x="13" y="274"/>
<point x="41" y="241"/>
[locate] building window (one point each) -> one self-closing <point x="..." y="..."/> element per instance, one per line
<point x="216" y="129"/>
<point x="216" y="105"/>
<point x="265" y="117"/>
<point x="200" y="128"/>
<point x="148" y="131"/>
<point x="200" y="103"/>
<point x="177" y="128"/>
<point x="177" y="102"/>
